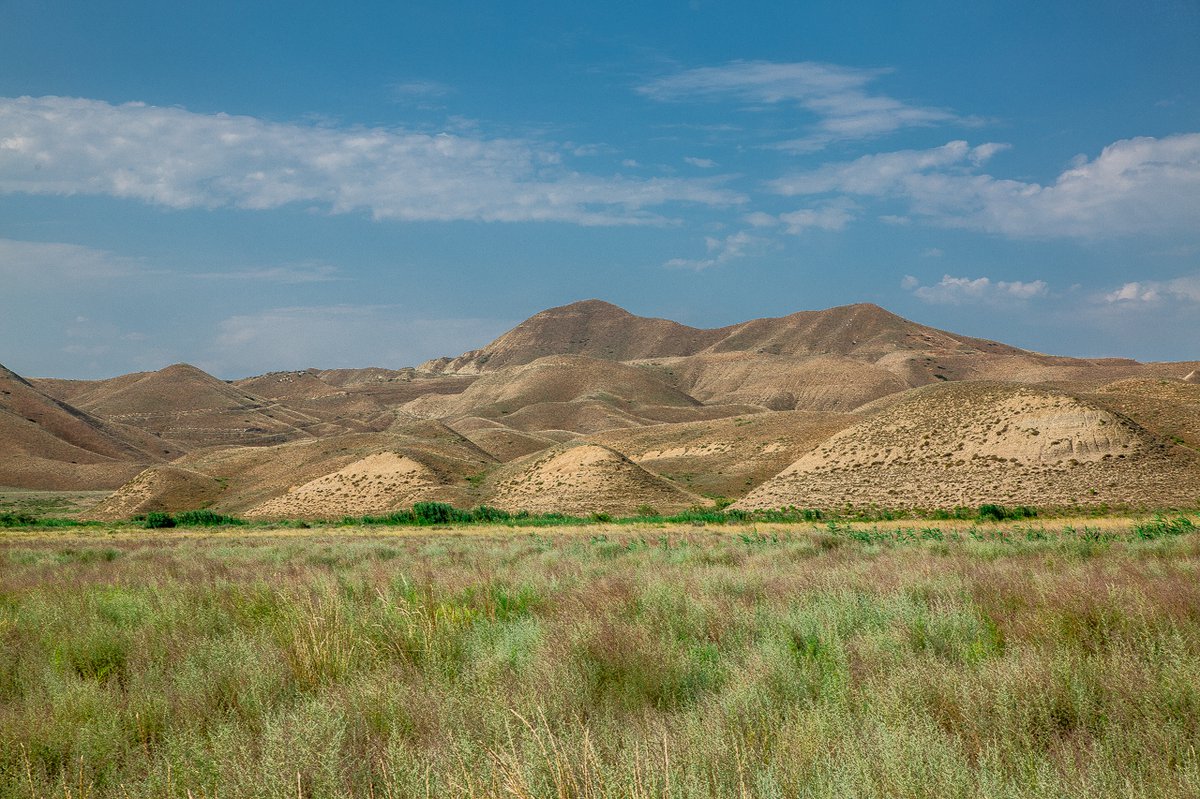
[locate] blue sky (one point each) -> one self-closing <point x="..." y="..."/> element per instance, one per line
<point x="262" y="186"/>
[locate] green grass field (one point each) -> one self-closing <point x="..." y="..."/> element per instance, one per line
<point x="837" y="660"/>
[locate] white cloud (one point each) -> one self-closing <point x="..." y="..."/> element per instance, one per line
<point x="701" y="163"/>
<point x="20" y="260"/>
<point x="421" y="88"/>
<point x="833" y="215"/>
<point x="1142" y="185"/>
<point x="1148" y="292"/>
<point x="340" y="336"/>
<point x="836" y="95"/>
<point x="721" y="251"/>
<point x="179" y="159"/>
<point x="293" y="273"/>
<point x="881" y="173"/>
<point x="760" y="219"/>
<point x="957" y="290"/>
<point x="933" y="252"/>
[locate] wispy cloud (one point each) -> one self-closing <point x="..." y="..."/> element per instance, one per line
<point x="837" y="96"/>
<point x="701" y="163"/>
<point x="421" y="89"/>
<point x="180" y="159"/>
<point x="58" y="261"/>
<point x="722" y="251"/>
<point x="1142" y="185"/>
<point x="959" y="290"/>
<point x="292" y="273"/>
<point x="829" y="215"/>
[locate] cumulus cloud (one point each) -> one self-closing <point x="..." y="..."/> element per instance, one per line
<point x="836" y="95"/>
<point x="1142" y="185"/>
<point x="958" y="290"/>
<point x="1153" y="292"/>
<point x="180" y="159"/>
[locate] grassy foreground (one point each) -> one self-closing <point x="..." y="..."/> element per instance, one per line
<point x="675" y="662"/>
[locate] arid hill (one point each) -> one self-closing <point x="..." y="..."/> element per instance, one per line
<point x="582" y="479"/>
<point x="46" y="443"/>
<point x="187" y="405"/>
<point x="961" y="444"/>
<point x="588" y="408"/>
<point x="592" y="327"/>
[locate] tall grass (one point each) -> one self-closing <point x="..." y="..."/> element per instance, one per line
<point x="694" y="664"/>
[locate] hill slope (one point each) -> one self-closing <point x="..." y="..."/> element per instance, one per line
<point x="969" y="443"/>
<point x="582" y="479"/>
<point x="46" y="443"/>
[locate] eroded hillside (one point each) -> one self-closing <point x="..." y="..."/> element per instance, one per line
<point x="588" y="408"/>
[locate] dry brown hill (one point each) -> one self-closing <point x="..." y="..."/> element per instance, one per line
<point x="1169" y="408"/>
<point x="725" y="457"/>
<point x="592" y="327"/>
<point x="191" y="407"/>
<point x="351" y="394"/>
<point x="969" y="443"/>
<point x="46" y="443"/>
<point x="781" y="382"/>
<point x="313" y="478"/>
<point x="582" y="479"/>
<point x="568" y="392"/>
<point x="864" y="331"/>
<point x="721" y="411"/>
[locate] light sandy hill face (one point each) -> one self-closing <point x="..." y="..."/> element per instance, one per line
<point x="725" y="457"/>
<point x="592" y="328"/>
<point x="187" y="405"/>
<point x="583" y="479"/>
<point x="243" y="479"/>
<point x="971" y="443"/>
<point x="159" y="488"/>
<point x="378" y="483"/>
<point x="1168" y="408"/>
<point x="781" y="382"/>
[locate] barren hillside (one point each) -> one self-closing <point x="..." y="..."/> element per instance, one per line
<point x="968" y="443"/>
<point x="601" y="409"/>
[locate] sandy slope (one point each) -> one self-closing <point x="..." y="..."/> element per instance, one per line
<point x="968" y="443"/>
<point x="582" y="479"/>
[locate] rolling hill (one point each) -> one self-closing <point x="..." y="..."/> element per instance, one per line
<point x="589" y="408"/>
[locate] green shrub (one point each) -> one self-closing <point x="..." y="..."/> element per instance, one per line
<point x="157" y="521"/>
<point x="486" y="513"/>
<point x="204" y="518"/>
<point x="433" y="513"/>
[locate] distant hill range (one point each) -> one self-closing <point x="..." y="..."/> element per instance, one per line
<point x="588" y="408"/>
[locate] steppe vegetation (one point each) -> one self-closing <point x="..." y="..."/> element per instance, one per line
<point x="1025" y="658"/>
